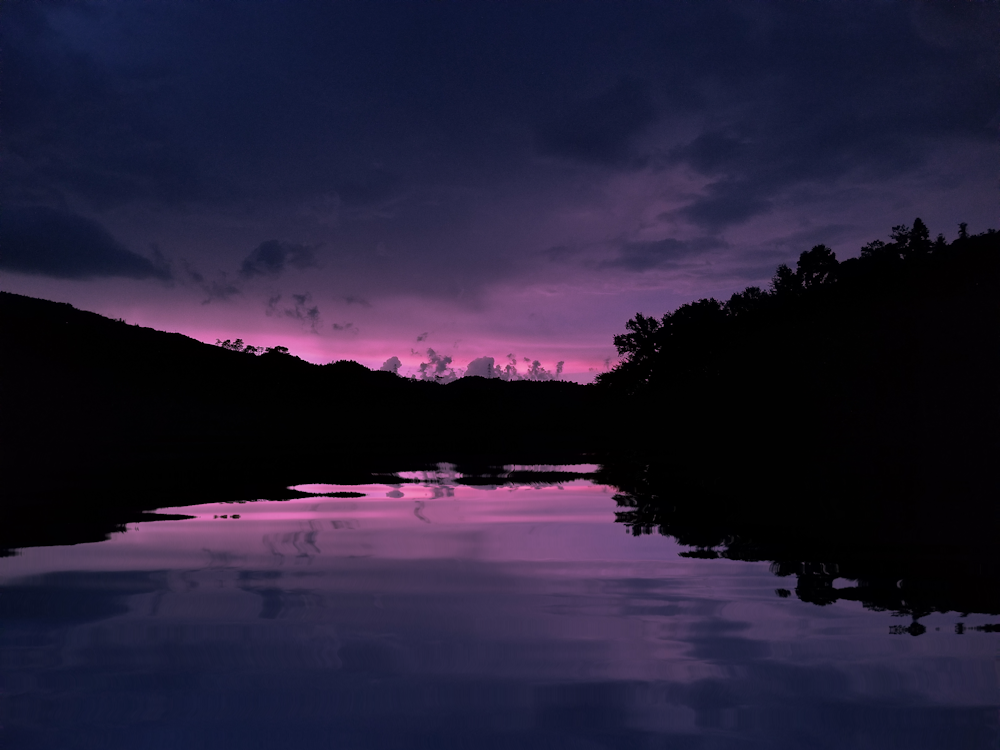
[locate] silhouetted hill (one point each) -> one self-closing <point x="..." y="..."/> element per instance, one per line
<point x="124" y="416"/>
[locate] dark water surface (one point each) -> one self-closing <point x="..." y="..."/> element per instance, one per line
<point x="432" y="614"/>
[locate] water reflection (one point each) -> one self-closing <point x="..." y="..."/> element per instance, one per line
<point x="434" y="613"/>
<point x="884" y="550"/>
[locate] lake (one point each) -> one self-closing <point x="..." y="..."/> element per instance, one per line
<point x="431" y="613"/>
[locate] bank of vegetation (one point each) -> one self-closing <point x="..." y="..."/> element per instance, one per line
<point x="889" y="360"/>
<point x="842" y="423"/>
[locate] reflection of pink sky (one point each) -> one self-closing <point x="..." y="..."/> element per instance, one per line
<point x="515" y="568"/>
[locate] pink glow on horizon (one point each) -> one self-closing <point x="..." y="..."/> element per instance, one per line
<point x="532" y="325"/>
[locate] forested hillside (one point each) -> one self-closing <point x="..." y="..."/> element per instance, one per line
<point x="878" y="368"/>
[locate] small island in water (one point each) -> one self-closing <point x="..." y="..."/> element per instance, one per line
<point x="842" y="423"/>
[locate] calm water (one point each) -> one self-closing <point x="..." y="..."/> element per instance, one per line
<point x="438" y="615"/>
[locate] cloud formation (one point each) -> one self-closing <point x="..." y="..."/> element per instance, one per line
<point x="642" y="256"/>
<point x="270" y="258"/>
<point x="50" y="242"/>
<point x="437" y="368"/>
<point x="391" y="365"/>
<point x="300" y="310"/>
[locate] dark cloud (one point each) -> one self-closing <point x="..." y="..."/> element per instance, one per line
<point x="422" y="336"/>
<point x="642" y="256"/>
<point x="600" y="128"/>
<point x="49" y="242"/>
<point x="711" y="152"/>
<point x="352" y="300"/>
<point x="219" y="290"/>
<point x="300" y="310"/>
<point x="820" y="96"/>
<point x="76" y="123"/>
<point x="728" y="202"/>
<point x="270" y="258"/>
<point x="192" y="273"/>
<point x="418" y="128"/>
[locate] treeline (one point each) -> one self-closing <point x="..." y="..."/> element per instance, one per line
<point x="843" y="423"/>
<point x="889" y="360"/>
<point x="700" y="339"/>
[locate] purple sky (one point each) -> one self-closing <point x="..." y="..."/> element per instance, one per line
<point x="366" y="180"/>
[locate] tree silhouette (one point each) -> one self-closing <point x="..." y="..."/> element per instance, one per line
<point x="785" y="282"/>
<point x="817" y="267"/>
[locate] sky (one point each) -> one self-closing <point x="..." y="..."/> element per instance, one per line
<point x="440" y="179"/>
